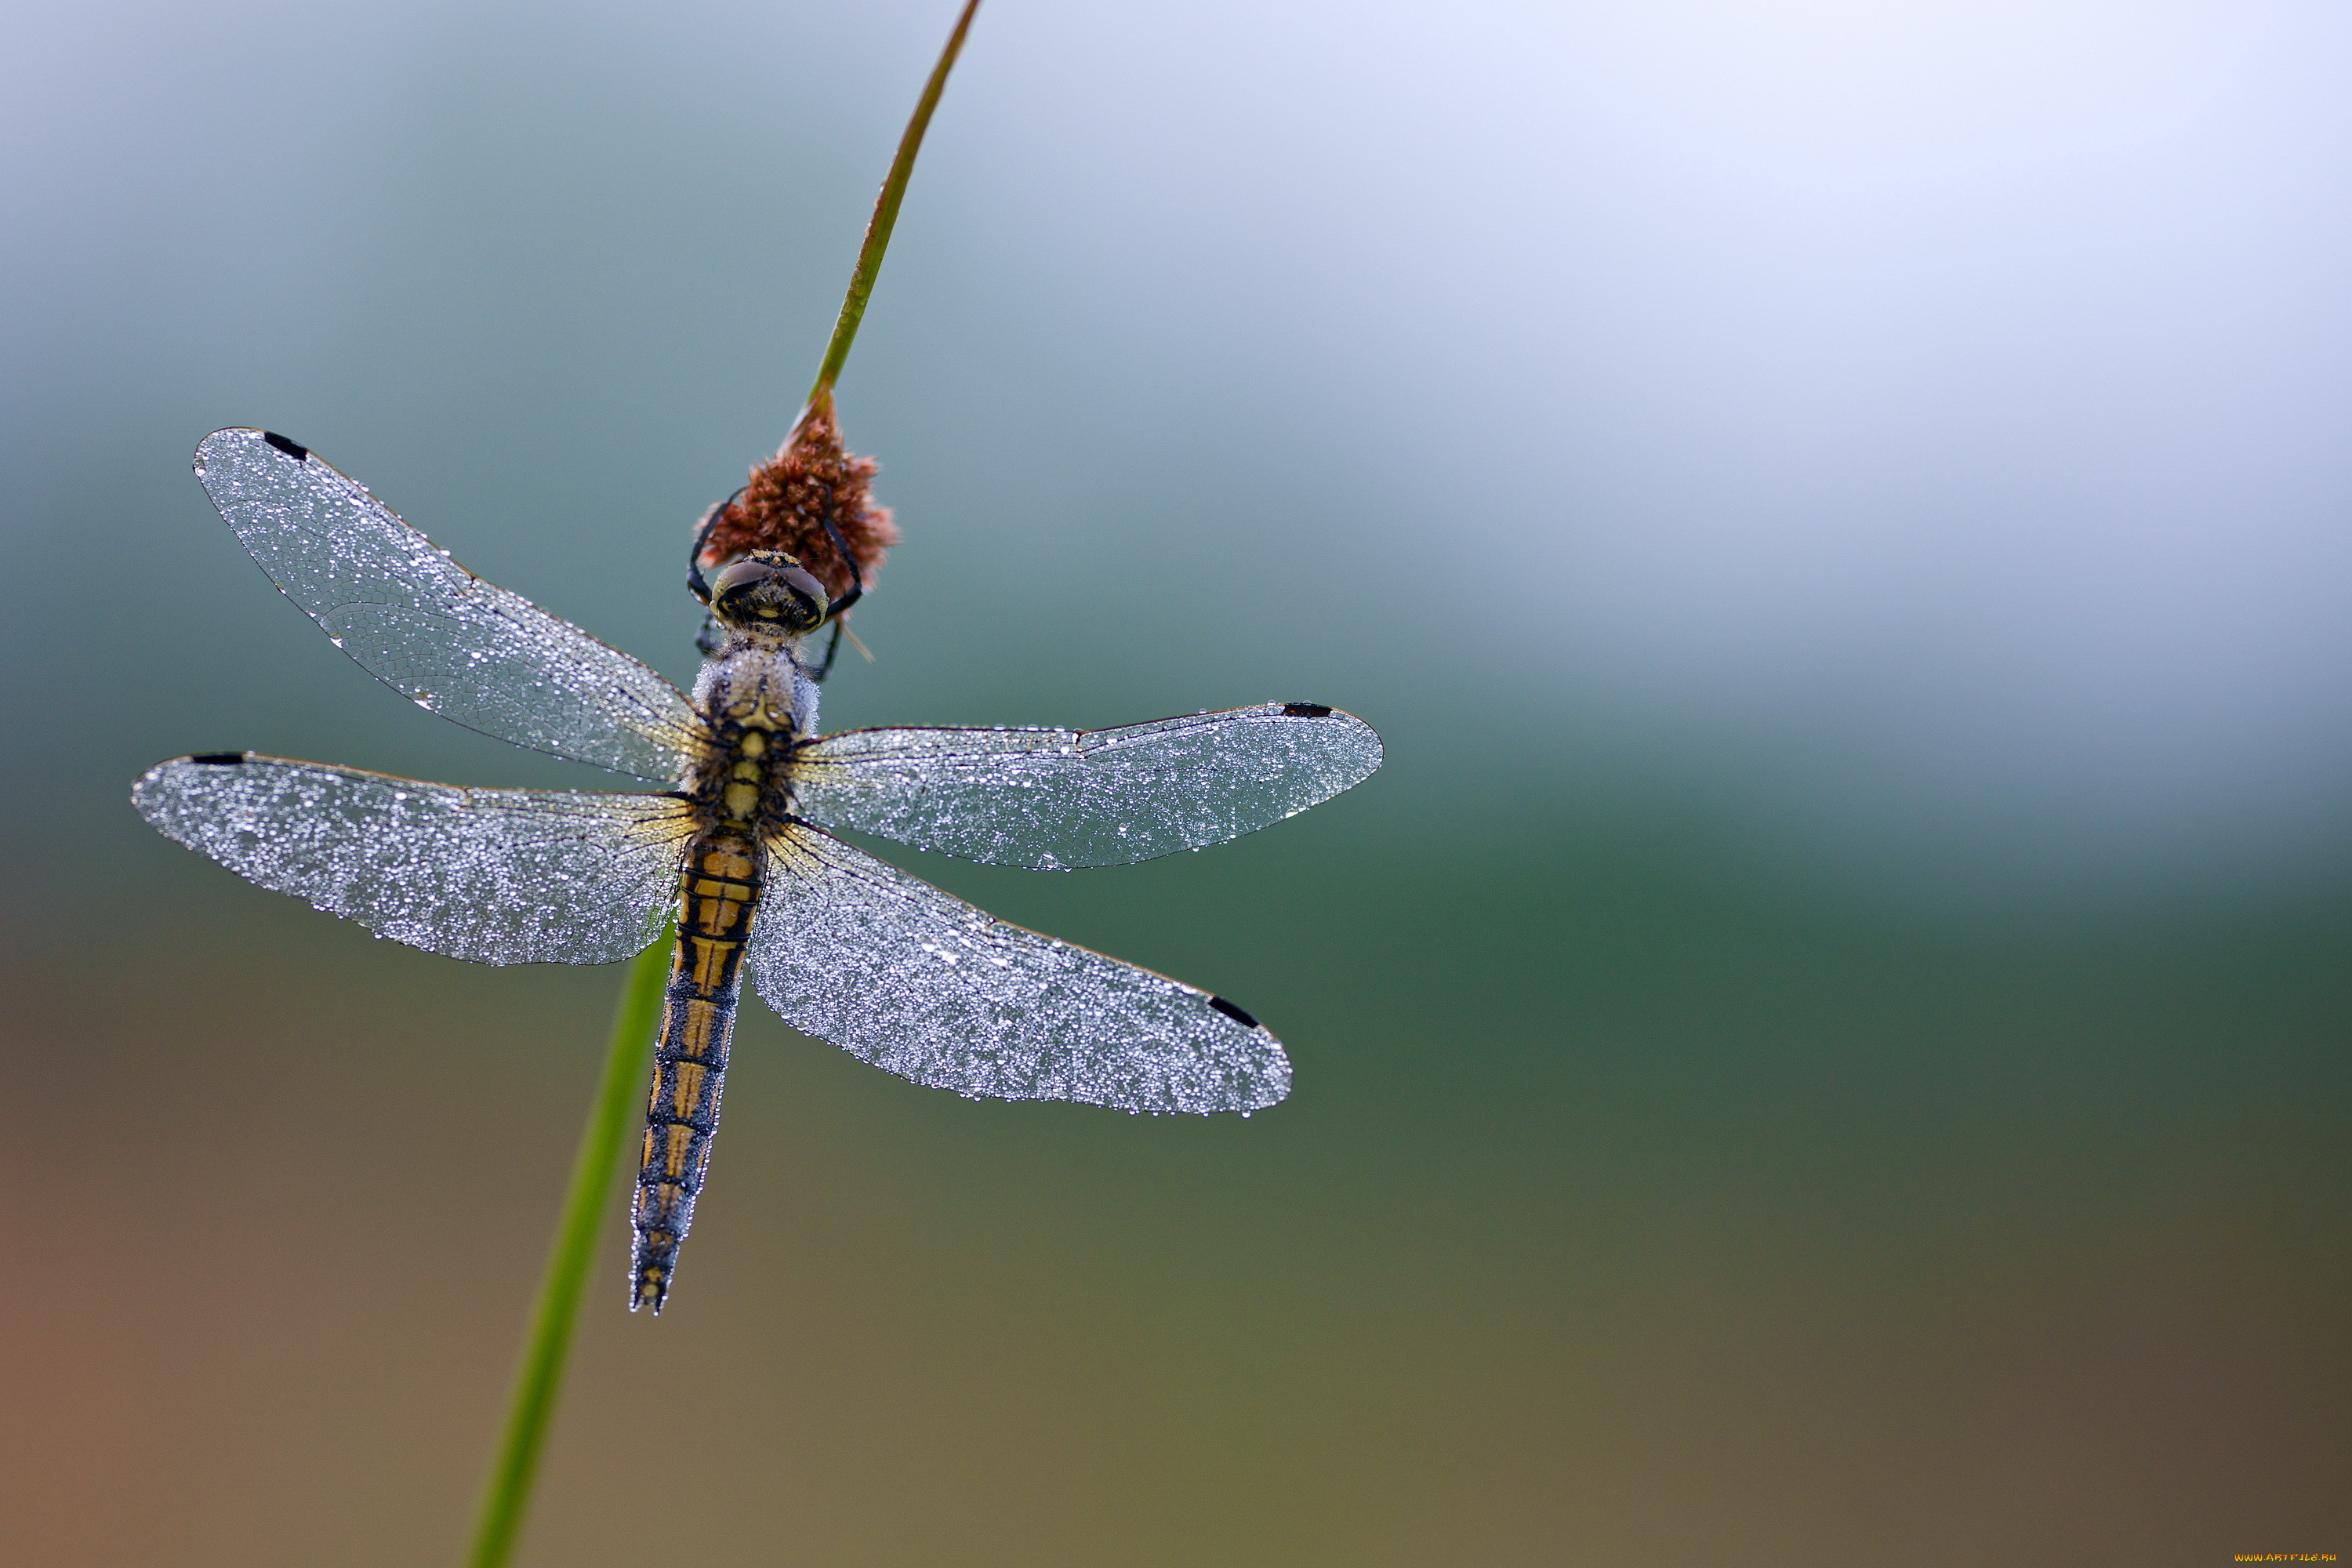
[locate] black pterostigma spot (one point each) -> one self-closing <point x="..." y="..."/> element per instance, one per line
<point x="294" y="449"/>
<point x="1304" y="711"/>
<point x="219" y="759"/>
<point x="1235" y="1014"/>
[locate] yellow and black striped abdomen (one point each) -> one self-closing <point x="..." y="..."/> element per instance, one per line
<point x="719" y="889"/>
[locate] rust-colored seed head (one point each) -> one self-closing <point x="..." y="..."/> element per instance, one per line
<point x="785" y="505"/>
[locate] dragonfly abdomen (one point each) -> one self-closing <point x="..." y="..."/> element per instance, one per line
<point x="718" y="888"/>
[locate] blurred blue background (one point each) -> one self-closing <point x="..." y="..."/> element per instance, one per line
<point x="1823" y="1044"/>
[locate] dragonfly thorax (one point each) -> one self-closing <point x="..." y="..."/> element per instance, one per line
<point x="745" y="687"/>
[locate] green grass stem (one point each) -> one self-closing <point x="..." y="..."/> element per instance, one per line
<point x="506" y="1494"/>
<point x="611" y="1118"/>
<point x="885" y="216"/>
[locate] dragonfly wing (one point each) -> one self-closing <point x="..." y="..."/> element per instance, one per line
<point x="433" y="631"/>
<point x="1058" y="798"/>
<point x="496" y="876"/>
<point x="900" y="975"/>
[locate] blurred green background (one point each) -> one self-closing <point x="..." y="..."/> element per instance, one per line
<point x="1824" y="1044"/>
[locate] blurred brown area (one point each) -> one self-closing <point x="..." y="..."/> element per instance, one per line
<point x="1994" y="1251"/>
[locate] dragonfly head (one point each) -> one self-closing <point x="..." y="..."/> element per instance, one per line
<point x="768" y="590"/>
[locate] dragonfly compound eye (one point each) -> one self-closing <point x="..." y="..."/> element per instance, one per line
<point x="767" y="587"/>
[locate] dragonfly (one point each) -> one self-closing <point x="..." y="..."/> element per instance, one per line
<point x="733" y="853"/>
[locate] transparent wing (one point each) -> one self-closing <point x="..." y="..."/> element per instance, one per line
<point x="433" y="631"/>
<point x="1058" y="798"/>
<point x="898" y="973"/>
<point x="496" y="876"/>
